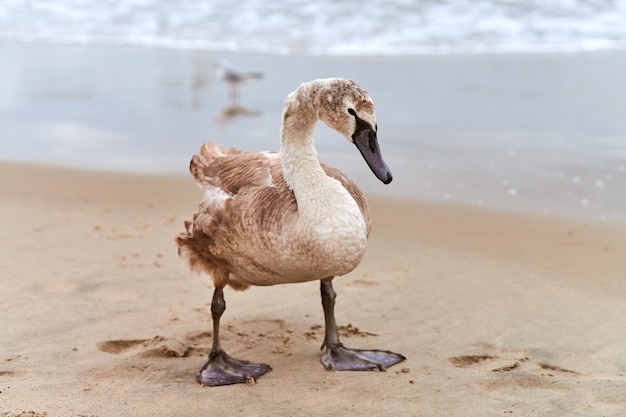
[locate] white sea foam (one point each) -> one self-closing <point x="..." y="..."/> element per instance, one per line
<point x="323" y="27"/>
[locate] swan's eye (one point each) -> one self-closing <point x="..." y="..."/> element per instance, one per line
<point x="352" y="112"/>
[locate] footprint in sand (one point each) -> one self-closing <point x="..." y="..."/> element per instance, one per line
<point x="194" y="344"/>
<point x="245" y="333"/>
<point x="502" y="373"/>
<point x="249" y="332"/>
<point x="149" y="360"/>
<point x="316" y="332"/>
<point x="12" y="362"/>
<point x="27" y="413"/>
<point x="513" y="368"/>
<point x="11" y="374"/>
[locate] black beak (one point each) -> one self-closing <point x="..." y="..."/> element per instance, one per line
<point x="367" y="143"/>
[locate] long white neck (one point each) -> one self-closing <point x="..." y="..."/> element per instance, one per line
<point x="301" y="168"/>
<point x="326" y="210"/>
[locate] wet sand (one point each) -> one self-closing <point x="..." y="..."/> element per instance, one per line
<point x="526" y="133"/>
<point x="497" y="313"/>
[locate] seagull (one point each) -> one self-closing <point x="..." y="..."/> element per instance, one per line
<point x="234" y="76"/>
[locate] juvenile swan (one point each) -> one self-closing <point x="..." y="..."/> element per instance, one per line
<point x="275" y="218"/>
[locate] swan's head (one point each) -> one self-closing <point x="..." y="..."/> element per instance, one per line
<point x="347" y="108"/>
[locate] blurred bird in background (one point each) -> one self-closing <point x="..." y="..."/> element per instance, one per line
<point x="234" y="76"/>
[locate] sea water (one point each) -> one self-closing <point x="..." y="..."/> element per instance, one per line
<point x="323" y="27"/>
<point x="507" y="104"/>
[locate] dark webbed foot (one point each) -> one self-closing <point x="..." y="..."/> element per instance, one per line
<point x="337" y="357"/>
<point x="341" y="358"/>
<point x="222" y="369"/>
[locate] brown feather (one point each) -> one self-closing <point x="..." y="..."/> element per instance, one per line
<point x="259" y="207"/>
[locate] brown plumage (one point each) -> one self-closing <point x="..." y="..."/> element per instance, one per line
<point x="257" y="204"/>
<point x="275" y="218"/>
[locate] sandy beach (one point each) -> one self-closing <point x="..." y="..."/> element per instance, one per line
<point x="497" y="313"/>
<point x="496" y="262"/>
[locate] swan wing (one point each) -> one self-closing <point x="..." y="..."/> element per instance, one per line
<point x="231" y="170"/>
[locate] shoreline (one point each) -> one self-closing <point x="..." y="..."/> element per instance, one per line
<point x="379" y="194"/>
<point x="539" y="134"/>
<point x="338" y="55"/>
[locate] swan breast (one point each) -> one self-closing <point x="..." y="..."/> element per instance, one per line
<point x="249" y="226"/>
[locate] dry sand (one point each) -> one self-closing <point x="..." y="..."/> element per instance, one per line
<point x="498" y="314"/>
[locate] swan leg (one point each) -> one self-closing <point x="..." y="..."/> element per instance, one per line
<point x="337" y="357"/>
<point x="221" y="368"/>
